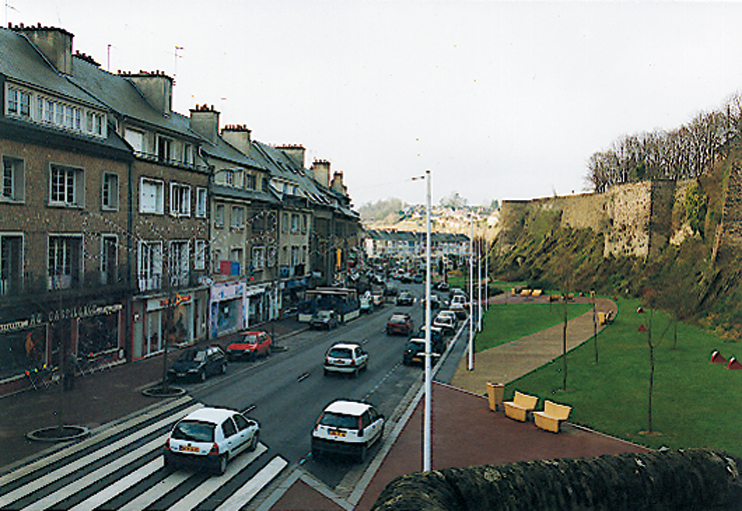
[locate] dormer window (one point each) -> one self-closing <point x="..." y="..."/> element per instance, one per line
<point x="19" y="102"/>
<point x="164" y="149"/>
<point x="229" y="177"/>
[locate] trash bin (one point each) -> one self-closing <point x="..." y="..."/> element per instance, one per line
<point x="601" y="318"/>
<point x="496" y="392"/>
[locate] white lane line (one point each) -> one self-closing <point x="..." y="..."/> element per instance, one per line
<point x="66" y="470"/>
<point x="96" y="475"/>
<point x="108" y="432"/>
<point x="251" y="488"/>
<point x="109" y="492"/>
<point x="205" y="489"/>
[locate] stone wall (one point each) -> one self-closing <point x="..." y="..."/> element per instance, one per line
<point x="638" y="219"/>
<point x="693" y="479"/>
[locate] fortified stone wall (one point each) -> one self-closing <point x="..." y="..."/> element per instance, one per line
<point x="638" y="219"/>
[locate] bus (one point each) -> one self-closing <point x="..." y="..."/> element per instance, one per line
<point x="344" y="301"/>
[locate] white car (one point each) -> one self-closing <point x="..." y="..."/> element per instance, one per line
<point x="210" y="436"/>
<point x="347" y="427"/>
<point x="345" y="358"/>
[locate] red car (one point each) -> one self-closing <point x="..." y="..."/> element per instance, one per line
<point x="251" y="346"/>
<point x="400" y="324"/>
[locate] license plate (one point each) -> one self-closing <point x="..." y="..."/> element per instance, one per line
<point x="417" y="359"/>
<point x="181" y="375"/>
<point x="188" y="448"/>
<point x="338" y="433"/>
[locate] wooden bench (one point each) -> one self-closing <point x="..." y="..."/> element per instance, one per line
<point x="605" y="318"/>
<point x="537" y="292"/>
<point x="552" y="416"/>
<point x="518" y="408"/>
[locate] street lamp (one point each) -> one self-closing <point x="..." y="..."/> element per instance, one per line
<point x="470" y="365"/>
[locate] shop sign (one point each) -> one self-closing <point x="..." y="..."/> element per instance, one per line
<point x="84" y="311"/>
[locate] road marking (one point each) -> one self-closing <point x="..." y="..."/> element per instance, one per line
<point x="251" y="488"/>
<point x="209" y="486"/>
<point x="302" y="377"/>
<point x="108" y="432"/>
<point x="119" y="486"/>
<point x="95" y="476"/>
<point x="64" y="471"/>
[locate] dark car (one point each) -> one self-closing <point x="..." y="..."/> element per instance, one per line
<point x="251" y="346"/>
<point x="399" y="324"/>
<point x="405" y="298"/>
<point x="324" y="320"/>
<point x="199" y="363"/>
<point x="414" y="353"/>
<point x="436" y="333"/>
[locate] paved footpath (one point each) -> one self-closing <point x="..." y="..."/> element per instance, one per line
<point x="508" y="362"/>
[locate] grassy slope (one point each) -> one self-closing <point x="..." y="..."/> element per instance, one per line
<point x="695" y="403"/>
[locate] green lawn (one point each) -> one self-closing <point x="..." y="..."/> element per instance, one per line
<point x="695" y="403"/>
<point x="511" y="322"/>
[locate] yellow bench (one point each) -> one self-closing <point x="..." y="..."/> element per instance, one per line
<point x="525" y="292"/>
<point x="518" y="408"/>
<point x="552" y="416"/>
<point x="605" y="318"/>
<point x="537" y="292"/>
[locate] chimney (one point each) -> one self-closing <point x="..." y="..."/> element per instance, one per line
<point x="205" y="122"/>
<point x="55" y="44"/>
<point x="295" y="152"/>
<point x="238" y="136"/>
<point x="157" y="89"/>
<point x="338" y="185"/>
<point x="321" y="172"/>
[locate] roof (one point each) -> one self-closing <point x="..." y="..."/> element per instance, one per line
<point x="348" y="407"/>
<point x="212" y="415"/>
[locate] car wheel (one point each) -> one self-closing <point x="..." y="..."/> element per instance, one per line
<point x="168" y="463"/>
<point x="362" y="451"/>
<point x="254" y="441"/>
<point x="221" y="468"/>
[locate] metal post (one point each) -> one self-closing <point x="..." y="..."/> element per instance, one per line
<point x="470" y="365"/>
<point x="479" y="287"/>
<point x="428" y="389"/>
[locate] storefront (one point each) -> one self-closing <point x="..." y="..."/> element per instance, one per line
<point x="227" y="309"/>
<point x="163" y="318"/>
<point x="36" y="340"/>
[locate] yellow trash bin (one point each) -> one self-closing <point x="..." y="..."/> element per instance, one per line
<point x="601" y="318"/>
<point x="495" y="392"/>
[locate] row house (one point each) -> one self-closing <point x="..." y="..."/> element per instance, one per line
<point x="126" y="227"/>
<point x="379" y="244"/>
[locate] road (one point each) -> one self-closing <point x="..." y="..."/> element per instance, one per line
<point x="122" y="467"/>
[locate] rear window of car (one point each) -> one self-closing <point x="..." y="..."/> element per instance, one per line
<point x="398" y="319"/>
<point x="340" y="353"/>
<point x="194" y="430"/>
<point x="338" y="420"/>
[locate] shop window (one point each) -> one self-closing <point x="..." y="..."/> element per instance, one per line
<point x="98" y="334"/>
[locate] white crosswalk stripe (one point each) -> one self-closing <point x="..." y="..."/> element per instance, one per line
<point x="45" y="484"/>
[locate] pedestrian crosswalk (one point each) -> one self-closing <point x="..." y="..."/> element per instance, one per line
<point x="121" y="467"/>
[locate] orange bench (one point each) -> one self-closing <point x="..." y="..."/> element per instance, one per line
<point x="518" y="408"/>
<point x="552" y="416"/>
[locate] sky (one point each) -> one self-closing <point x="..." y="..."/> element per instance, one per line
<point x="499" y="100"/>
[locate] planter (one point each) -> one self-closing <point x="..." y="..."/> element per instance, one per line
<point x="160" y="392"/>
<point x="64" y="434"/>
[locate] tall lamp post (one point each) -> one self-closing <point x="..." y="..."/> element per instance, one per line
<point x="470" y="364"/>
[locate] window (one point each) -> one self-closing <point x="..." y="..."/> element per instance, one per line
<point x="251" y="182"/>
<point x="64" y="262"/>
<point x="94" y="124"/>
<point x="236" y="255"/>
<point x="294" y="223"/>
<point x="303" y="224"/>
<point x="19" y="102"/>
<point x="110" y="193"/>
<point x="258" y="258"/>
<point x="199" y="259"/>
<point x="238" y="217"/>
<point x="188" y="154"/>
<point x="219" y="216"/>
<point x="108" y="259"/>
<point x="228" y="428"/>
<point x="135" y="140"/>
<point x="229" y="177"/>
<point x="13" y="179"/>
<point x="201" y="202"/>
<point x="66" y="186"/>
<point x="179" y="259"/>
<point x="11" y="263"/>
<point x="164" y="146"/>
<point x="180" y="199"/>
<point x="150" y="265"/>
<point x="151" y="196"/>
<point x="285" y="223"/>
<point x="271" y="256"/>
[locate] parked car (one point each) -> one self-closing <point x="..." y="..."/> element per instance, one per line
<point x="419" y="278"/>
<point x="211" y="437"/>
<point x="435" y="302"/>
<point x="391" y="290"/>
<point x="251" y="346"/>
<point x="436" y="333"/>
<point x="199" y="363"/>
<point x="441" y="286"/>
<point x="347" y="358"/>
<point x="446" y="322"/>
<point x="347" y="428"/>
<point x="405" y="298"/>
<point x="366" y="302"/>
<point x="324" y="320"/>
<point x="414" y="352"/>
<point x="400" y="324"/>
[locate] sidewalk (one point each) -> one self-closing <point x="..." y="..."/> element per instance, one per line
<point x="96" y="399"/>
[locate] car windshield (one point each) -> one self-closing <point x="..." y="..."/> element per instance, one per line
<point x="195" y="356"/>
<point x="340" y="353"/>
<point x="194" y="431"/>
<point x="250" y="339"/>
<point x="338" y="420"/>
<point x="323" y="314"/>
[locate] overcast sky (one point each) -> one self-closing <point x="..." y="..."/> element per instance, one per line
<point x="500" y="100"/>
